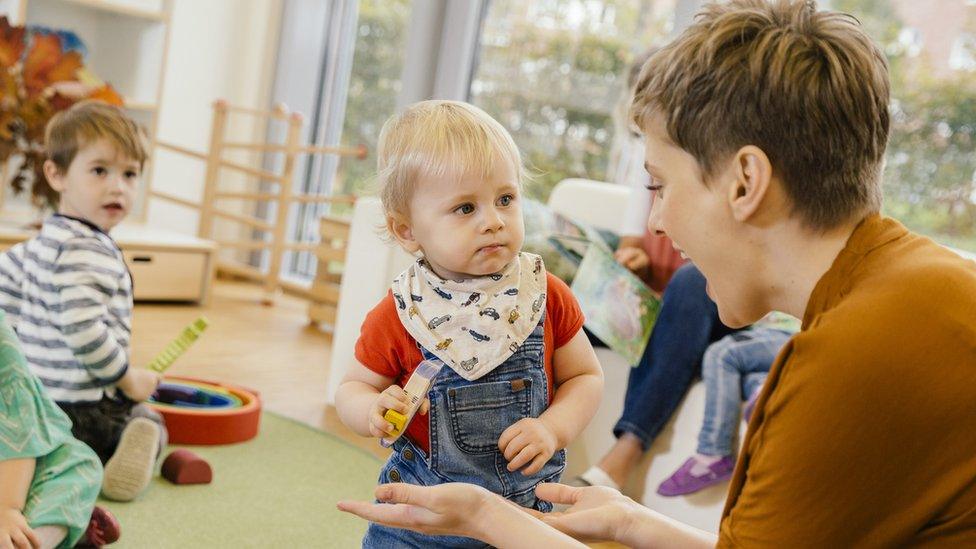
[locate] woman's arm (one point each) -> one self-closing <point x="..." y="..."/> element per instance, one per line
<point x="596" y="514"/>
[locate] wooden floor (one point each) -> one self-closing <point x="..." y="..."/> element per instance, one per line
<point x="272" y="349"/>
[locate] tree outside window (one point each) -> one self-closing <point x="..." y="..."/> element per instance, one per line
<point x="553" y="71"/>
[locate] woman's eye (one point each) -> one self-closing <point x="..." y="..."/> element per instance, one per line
<point x="464" y="209"/>
<point x="506" y="200"/>
<point x="656" y="189"/>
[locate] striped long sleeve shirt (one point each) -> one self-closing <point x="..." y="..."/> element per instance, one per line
<point x="68" y="295"/>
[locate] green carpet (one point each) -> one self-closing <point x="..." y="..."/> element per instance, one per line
<point x="277" y="490"/>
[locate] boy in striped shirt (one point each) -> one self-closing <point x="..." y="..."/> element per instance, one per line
<point x="68" y="295"/>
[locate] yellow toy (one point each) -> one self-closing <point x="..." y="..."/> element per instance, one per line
<point x="178" y="346"/>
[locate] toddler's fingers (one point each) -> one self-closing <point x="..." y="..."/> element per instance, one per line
<point x="19" y="541"/>
<point x="516" y="446"/>
<point x="388" y="402"/>
<point x="508" y="435"/>
<point x="424" y="407"/>
<point x="32" y="538"/>
<point x="381" y="424"/>
<point x="537" y="464"/>
<point x="623" y="255"/>
<point x="522" y="458"/>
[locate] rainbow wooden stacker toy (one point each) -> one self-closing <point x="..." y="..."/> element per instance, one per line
<point x="198" y="411"/>
<point x="178" y="346"/>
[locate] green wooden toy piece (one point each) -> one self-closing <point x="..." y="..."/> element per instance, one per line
<point x="178" y="346"/>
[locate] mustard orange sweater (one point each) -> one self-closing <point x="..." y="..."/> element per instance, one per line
<point x="865" y="435"/>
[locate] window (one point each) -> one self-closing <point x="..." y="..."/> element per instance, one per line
<point x="930" y="178"/>
<point x="554" y="71"/>
<point x="346" y="100"/>
<point x="373" y="85"/>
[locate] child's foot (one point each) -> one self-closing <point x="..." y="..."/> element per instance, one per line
<point x="130" y="469"/>
<point x="594" y="476"/>
<point x="103" y="529"/>
<point x="697" y="473"/>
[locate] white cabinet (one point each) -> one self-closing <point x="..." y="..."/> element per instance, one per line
<point x="126" y="43"/>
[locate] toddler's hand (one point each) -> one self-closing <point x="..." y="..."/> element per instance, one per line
<point x="15" y="533"/>
<point x="633" y="258"/>
<point x="530" y="441"/>
<point x="392" y="398"/>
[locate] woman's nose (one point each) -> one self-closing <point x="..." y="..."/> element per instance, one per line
<point x="654" y="225"/>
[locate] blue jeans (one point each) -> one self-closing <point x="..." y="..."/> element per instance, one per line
<point x="686" y="325"/>
<point x="734" y="368"/>
<point x="466" y="420"/>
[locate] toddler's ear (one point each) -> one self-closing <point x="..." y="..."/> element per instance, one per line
<point x="53" y="175"/>
<point x="400" y="228"/>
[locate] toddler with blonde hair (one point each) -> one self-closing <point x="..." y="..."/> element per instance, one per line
<point x="519" y="379"/>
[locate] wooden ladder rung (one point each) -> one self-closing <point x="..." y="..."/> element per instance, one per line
<point x="264" y="175"/>
<point x="252" y="221"/>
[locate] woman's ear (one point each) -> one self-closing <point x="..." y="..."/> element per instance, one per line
<point x="53" y="175"/>
<point x="753" y="175"/>
<point x="399" y="227"/>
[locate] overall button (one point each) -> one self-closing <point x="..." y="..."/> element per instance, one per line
<point x="395" y="475"/>
<point x="407" y="454"/>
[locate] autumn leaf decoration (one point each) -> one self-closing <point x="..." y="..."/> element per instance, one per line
<point x="37" y="81"/>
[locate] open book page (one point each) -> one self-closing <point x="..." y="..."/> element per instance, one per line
<point x="619" y="308"/>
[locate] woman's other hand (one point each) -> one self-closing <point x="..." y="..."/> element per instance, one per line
<point x="595" y="512"/>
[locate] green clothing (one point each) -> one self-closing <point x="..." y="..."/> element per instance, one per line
<point x="864" y="433"/>
<point x="67" y="474"/>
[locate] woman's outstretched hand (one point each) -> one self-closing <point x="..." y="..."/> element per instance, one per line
<point x="446" y="509"/>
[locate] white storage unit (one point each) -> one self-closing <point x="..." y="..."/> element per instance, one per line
<point x="126" y="43"/>
<point x="165" y="266"/>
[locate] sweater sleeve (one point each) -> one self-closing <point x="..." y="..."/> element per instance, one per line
<point x="85" y="278"/>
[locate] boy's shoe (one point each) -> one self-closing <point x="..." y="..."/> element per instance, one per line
<point x="693" y="475"/>
<point x="103" y="529"/>
<point x="130" y="468"/>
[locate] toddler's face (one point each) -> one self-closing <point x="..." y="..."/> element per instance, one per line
<point x="472" y="227"/>
<point x="98" y="186"/>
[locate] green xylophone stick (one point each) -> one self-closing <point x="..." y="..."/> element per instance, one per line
<point x="178" y="346"/>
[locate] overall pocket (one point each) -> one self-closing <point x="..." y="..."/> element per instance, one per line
<point x="479" y="413"/>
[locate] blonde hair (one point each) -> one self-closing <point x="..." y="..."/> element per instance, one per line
<point x="808" y="87"/>
<point x="88" y="121"/>
<point x="436" y="139"/>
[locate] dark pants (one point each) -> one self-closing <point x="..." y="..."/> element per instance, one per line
<point x="100" y="424"/>
<point x="687" y="324"/>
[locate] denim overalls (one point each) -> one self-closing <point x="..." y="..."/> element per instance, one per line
<point x="466" y="420"/>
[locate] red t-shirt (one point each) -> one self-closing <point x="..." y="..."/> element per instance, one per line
<point x="385" y="347"/>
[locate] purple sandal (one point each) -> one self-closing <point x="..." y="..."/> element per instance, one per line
<point x="683" y="481"/>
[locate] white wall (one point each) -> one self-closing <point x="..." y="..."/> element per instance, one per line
<point x="217" y="49"/>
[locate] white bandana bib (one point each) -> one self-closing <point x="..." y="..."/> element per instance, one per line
<point x="472" y="325"/>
